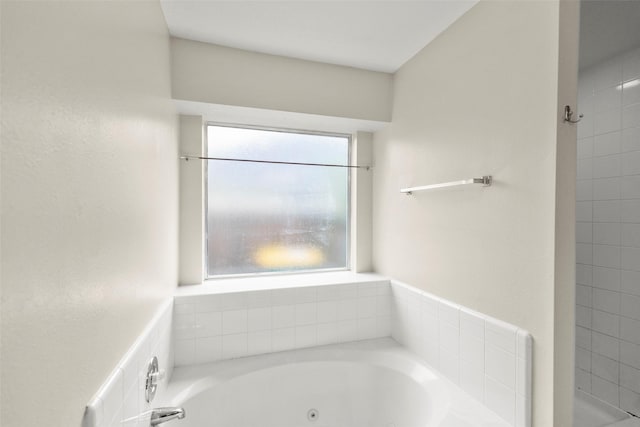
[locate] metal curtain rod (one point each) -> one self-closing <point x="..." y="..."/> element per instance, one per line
<point x="187" y="158"/>
<point x="486" y="181"/>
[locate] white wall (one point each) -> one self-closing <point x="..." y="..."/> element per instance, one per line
<point x="89" y="197"/>
<point x="608" y="233"/>
<point x="483" y="99"/>
<point x="220" y="75"/>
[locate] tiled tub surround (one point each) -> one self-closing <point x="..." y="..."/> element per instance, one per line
<point x="608" y="232"/>
<point x="217" y="323"/>
<point x="120" y="402"/>
<point x="489" y="359"/>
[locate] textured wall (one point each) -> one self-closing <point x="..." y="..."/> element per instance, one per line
<point x="89" y="197"/>
<point x="482" y="99"/>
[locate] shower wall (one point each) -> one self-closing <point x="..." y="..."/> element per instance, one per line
<point x="608" y="232"/>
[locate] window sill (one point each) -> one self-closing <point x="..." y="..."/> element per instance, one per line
<point x="248" y="284"/>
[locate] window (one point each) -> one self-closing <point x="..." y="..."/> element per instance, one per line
<point x="267" y="217"/>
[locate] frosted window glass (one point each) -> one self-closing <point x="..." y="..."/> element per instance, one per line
<point x="265" y="218"/>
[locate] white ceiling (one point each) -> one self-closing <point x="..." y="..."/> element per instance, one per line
<point x="373" y="35"/>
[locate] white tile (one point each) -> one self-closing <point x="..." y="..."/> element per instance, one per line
<point x="630" y="330"/>
<point x="630" y="211"/>
<point x="583" y="296"/>
<point x="607" y="121"/>
<point x="259" y="299"/>
<point x="585" y="148"/>
<point x="383" y="305"/>
<point x="630" y="378"/>
<point x="631" y="235"/>
<point x="259" y="319"/>
<point x="472" y="350"/>
<point x="630" y="281"/>
<point x="605" y="345"/>
<point x="347" y="309"/>
<point x="500" y="399"/>
<point x="583" y="337"/>
<point x="234" y="321"/>
<point x="450" y="365"/>
<point x="585" y="168"/>
<point x="523" y="378"/>
<point x="631" y="163"/>
<point x="94" y="413"/>
<point x="367" y="328"/>
<point x="606" y="167"/>
<point x="500" y="334"/>
<point x="449" y="313"/>
<point x="259" y="342"/>
<point x="500" y="365"/>
<point x="283" y="297"/>
<point x="328" y="293"/>
<point x="306" y="295"/>
<point x="630" y="354"/>
<point x="430" y="330"/>
<point x="367" y="307"/>
<point x="606" y="256"/>
<point x="184" y="352"/>
<point x="630" y="95"/>
<point x="584" y="274"/>
<point x="584" y="253"/>
<point x="630" y="259"/>
<point x="631" y="116"/>
<point x="472" y="380"/>
<point x="348" y="291"/>
<point x="283" y="316"/>
<point x="327" y="333"/>
<point x="583" y="380"/>
<point x="606" y="233"/>
<point x="383" y="326"/>
<point x="283" y="339"/>
<point x="306" y="314"/>
<point x="185" y="308"/>
<point x="606" y="278"/>
<point x="235" y="301"/>
<point x="208" y="349"/>
<point x="606" y="188"/>
<point x="605" y="300"/>
<point x="606" y="211"/>
<point x="208" y="303"/>
<point x="347" y="330"/>
<point x="584" y="232"/>
<point x="586" y="125"/>
<point x="631" y="139"/>
<point x="630" y="401"/>
<point x="584" y="211"/>
<point x="523" y="412"/>
<point x="604" y="390"/>
<point x="234" y="346"/>
<point x="608" y="143"/>
<point x="208" y="324"/>
<point x="184" y="326"/>
<point x="524" y="344"/>
<point x="584" y="190"/>
<point x="607" y="99"/>
<point x="367" y="290"/>
<point x="306" y="336"/>
<point x="583" y="316"/>
<point x="130" y="404"/>
<point x="604" y="367"/>
<point x="327" y="311"/>
<point x="605" y="323"/>
<point x="630" y="306"/>
<point x="583" y="359"/>
<point x="630" y="187"/>
<point x="449" y="337"/>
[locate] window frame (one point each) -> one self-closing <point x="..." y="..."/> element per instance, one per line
<point x="348" y="259"/>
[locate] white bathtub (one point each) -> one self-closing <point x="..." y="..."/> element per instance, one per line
<point x="373" y="383"/>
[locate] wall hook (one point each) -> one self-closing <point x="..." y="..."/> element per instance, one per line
<point x="568" y="114"/>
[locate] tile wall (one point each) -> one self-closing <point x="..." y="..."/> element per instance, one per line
<point x="207" y="328"/>
<point x="489" y="359"/>
<point x="608" y="232"/>
<point x="120" y="402"/>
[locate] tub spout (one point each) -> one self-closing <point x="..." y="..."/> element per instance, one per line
<point x="162" y="415"/>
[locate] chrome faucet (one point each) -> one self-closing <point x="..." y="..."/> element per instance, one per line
<point x="162" y="415"/>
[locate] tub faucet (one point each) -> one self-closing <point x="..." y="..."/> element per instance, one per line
<point x="162" y="415"/>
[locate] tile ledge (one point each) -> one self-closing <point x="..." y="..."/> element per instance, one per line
<point x="263" y="283"/>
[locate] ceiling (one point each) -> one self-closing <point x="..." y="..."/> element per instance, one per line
<point x="373" y="35"/>
<point x="607" y="28"/>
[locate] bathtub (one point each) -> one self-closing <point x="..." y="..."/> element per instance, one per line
<point x="373" y="383"/>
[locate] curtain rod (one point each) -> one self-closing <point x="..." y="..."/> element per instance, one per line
<point x="187" y="158"/>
